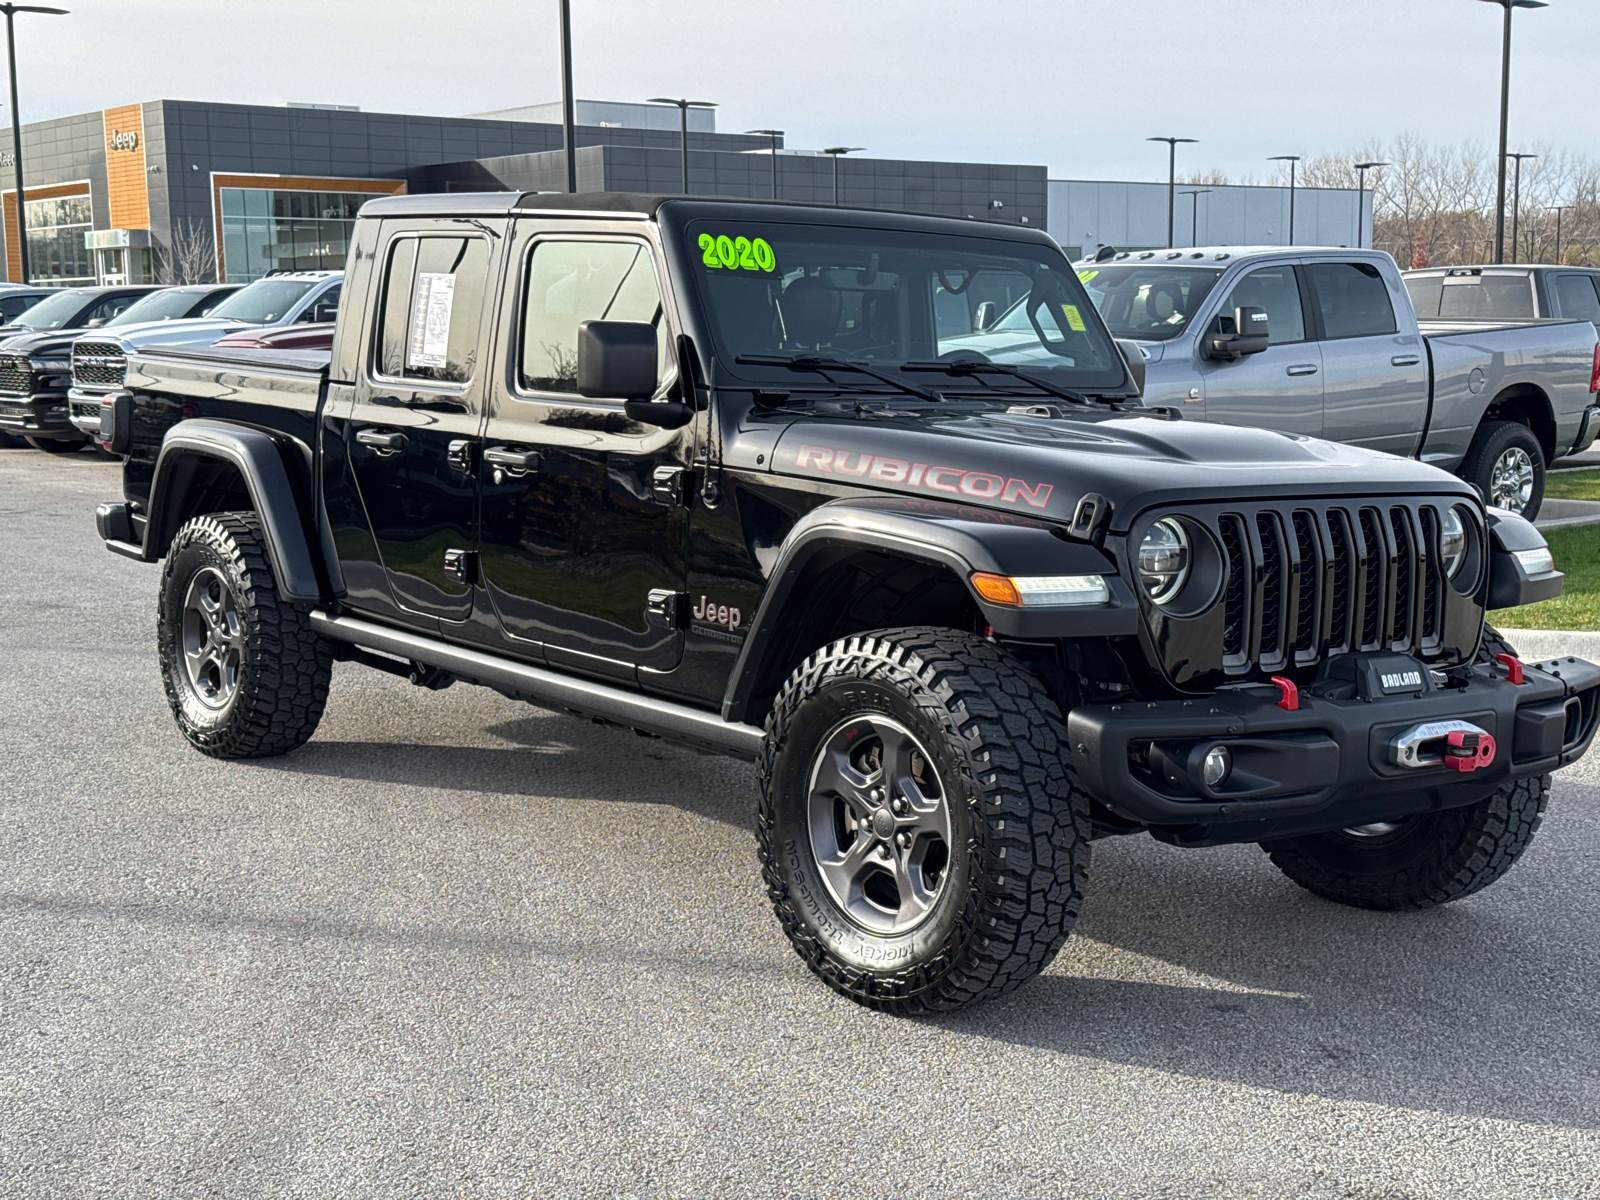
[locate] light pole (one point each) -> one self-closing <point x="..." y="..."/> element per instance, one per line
<point x="683" y="127"/>
<point x="1293" y="160"/>
<point x="1505" y="104"/>
<point x="569" y="136"/>
<point x="774" y="134"/>
<point x="1558" y="209"/>
<point x="16" y="124"/>
<point x="1194" y="214"/>
<point x="836" y="151"/>
<point x="1361" y="193"/>
<point x="1516" y="197"/>
<point x="1172" y="174"/>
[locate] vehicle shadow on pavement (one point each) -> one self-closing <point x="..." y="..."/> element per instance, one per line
<point x="1178" y="968"/>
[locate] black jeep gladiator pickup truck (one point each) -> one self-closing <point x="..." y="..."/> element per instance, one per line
<point x="723" y="472"/>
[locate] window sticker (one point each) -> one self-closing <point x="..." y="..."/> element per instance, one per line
<point x="736" y="253"/>
<point x="1074" y="318"/>
<point x="431" y="305"/>
<point x="1086" y="276"/>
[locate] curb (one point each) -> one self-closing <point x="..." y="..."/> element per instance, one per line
<point x="1536" y="645"/>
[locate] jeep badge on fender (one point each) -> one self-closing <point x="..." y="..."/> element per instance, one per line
<point x="966" y="603"/>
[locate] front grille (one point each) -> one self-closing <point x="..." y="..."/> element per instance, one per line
<point x="98" y="364"/>
<point x="1301" y="583"/>
<point x="16" y="376"/>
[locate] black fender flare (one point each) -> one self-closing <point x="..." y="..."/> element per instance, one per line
<point x="958" y="538"/>
<point x="259" y="459"/>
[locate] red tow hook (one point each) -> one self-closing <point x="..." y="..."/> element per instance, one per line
<point x="1469" y="751"/>
<point x="1290" y="701"/>
<point x="1513" y="667"/>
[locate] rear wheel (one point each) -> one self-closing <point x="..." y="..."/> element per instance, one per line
<point x="920" y="833"/>
<point x="56" y="445"/>
<point x="1418" y="861"/>
<point x="1506" y="464"/>
<point x="245" y="674"/>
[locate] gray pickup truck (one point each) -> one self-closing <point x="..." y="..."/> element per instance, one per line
<point x="1335" y="350"/>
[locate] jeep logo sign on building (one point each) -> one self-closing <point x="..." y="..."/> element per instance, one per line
<point x="123" y="139"/>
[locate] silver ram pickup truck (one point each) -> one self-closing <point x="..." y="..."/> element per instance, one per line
<point x="1331" y="347"/>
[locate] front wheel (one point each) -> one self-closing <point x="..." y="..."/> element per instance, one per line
<point x="245" y="674"/>
<point x="56" y="445"/>
<point x="1419" y="861"/>
<point x="920" y="833"/>
<point x="1506" y="464"/>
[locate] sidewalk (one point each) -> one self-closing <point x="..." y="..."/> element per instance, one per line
<point x="1539" y="645"/>
<point x="1558" y="514"/>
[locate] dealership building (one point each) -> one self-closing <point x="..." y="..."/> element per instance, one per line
<point x="277" y="188"/>
<point x="112" y="194"/>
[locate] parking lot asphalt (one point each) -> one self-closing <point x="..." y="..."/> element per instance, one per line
<point x="458" y="946"/>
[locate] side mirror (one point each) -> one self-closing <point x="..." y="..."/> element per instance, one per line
<point x="983" y="320"/>
<point x="1250" y="336"/>
<point x="617" y="360"/>
<point x="321" y="314"/>
<point x="94" y="324"/>
<point x="1134" y="357"/>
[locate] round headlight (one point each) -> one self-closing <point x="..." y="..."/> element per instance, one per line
<point x="1164" y="560"/>
<point x="1452" y="542"/>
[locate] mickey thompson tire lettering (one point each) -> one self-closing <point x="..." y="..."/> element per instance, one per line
<point x="1423" y="861"/>
<point x="283" y="666"/>
<point x="1019" y="852"/>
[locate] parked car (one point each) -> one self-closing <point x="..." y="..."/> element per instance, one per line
<point x="1334" y="350"/>
<point x="34" y="365"/>
<point x="1517" y="292"/>
<point x="282" y="299"/>
<point x="284" y="337"/>
<point x="708" y="470"/>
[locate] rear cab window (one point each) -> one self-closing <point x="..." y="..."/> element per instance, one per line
<point x="1425" y="292"/>
<point x="1487" y="297"/>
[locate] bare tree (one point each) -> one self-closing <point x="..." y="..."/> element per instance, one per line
<point x="189" y="256"/>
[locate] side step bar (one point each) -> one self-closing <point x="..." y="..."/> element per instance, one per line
<point x="676" y="722"/>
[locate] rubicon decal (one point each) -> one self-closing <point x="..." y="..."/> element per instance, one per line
<point x="952" y="481"/>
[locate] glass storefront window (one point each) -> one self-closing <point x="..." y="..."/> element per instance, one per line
<point x="57" y="255"/>
<point x="273" y="229"/>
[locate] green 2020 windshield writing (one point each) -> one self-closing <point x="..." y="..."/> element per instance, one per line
<point x="736" y="253"/>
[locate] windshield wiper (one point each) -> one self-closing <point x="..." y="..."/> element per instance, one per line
<point x="820" y="364"/>
<point x="972" y="366"/>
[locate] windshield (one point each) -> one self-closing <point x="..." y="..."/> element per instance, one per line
<point x="54" y="313"/>
<point x="1151" y="303"/>
<point x="887" y="297"/>
<point x="264" y="301"/>
<point x="157" y="306"/>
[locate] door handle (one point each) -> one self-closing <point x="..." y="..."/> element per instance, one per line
<point x="513" y="460"/>
<point x="1303" y="369"/>
<point x="384" y="441"/>
<point x="1405" y="360"/>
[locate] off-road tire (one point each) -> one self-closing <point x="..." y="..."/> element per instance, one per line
<point x="55" y="445"/>
<point x="1492" y="440"/>
<point x="1020" y="833"/>
<point x="1431" y="859"/>
<point x="283" y="665"/>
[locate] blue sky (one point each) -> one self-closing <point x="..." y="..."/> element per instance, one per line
<point x="1074" y="84"/>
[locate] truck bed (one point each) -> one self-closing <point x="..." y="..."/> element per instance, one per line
<point x="273" y="377"/>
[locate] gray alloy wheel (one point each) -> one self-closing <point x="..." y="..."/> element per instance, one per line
<point x="879" y="825"/>
<point x="214" y="642"/>
<point x="1511" y="480"/>
<point x="1376" y="830"/>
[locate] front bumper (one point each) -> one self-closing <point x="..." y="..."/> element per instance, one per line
<point x="36" y="416"/>
<point x="1329" y="764"/>
<point x="83" y="408"/>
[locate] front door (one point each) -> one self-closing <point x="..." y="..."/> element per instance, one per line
<point x="583" y="519"/>
<point x="1281" y="387"/>
<point x="413" y="431"/>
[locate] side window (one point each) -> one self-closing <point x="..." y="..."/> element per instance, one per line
<point x="109" y="307"/>
<point x="1274" y="289"/>
<point x="431" y="306"/>
<point x="12" y="308"/>
<point x="1576" y="298"/>
<point x="1353" y="300"/>
<point x="1425" y="292"/>
<point x="573" y="282"/>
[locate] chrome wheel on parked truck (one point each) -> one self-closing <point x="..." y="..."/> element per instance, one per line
<point x="1506" y="464"/>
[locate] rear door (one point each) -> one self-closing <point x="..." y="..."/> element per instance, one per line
<point x="584" y="519"/>
<point x="1281" y="387"/>
<point x="413" y="430"/>
<point x="1374" y="369"/>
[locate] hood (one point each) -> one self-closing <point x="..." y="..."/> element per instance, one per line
<point x="1042" y="466"/>
<point x="191" y="331"/>
<point x="56" y="342"/>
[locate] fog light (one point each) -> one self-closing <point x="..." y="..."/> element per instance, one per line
<point x="1217" y="766"/>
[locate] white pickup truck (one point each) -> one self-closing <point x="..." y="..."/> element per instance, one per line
<point x="1332" y="348"/>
